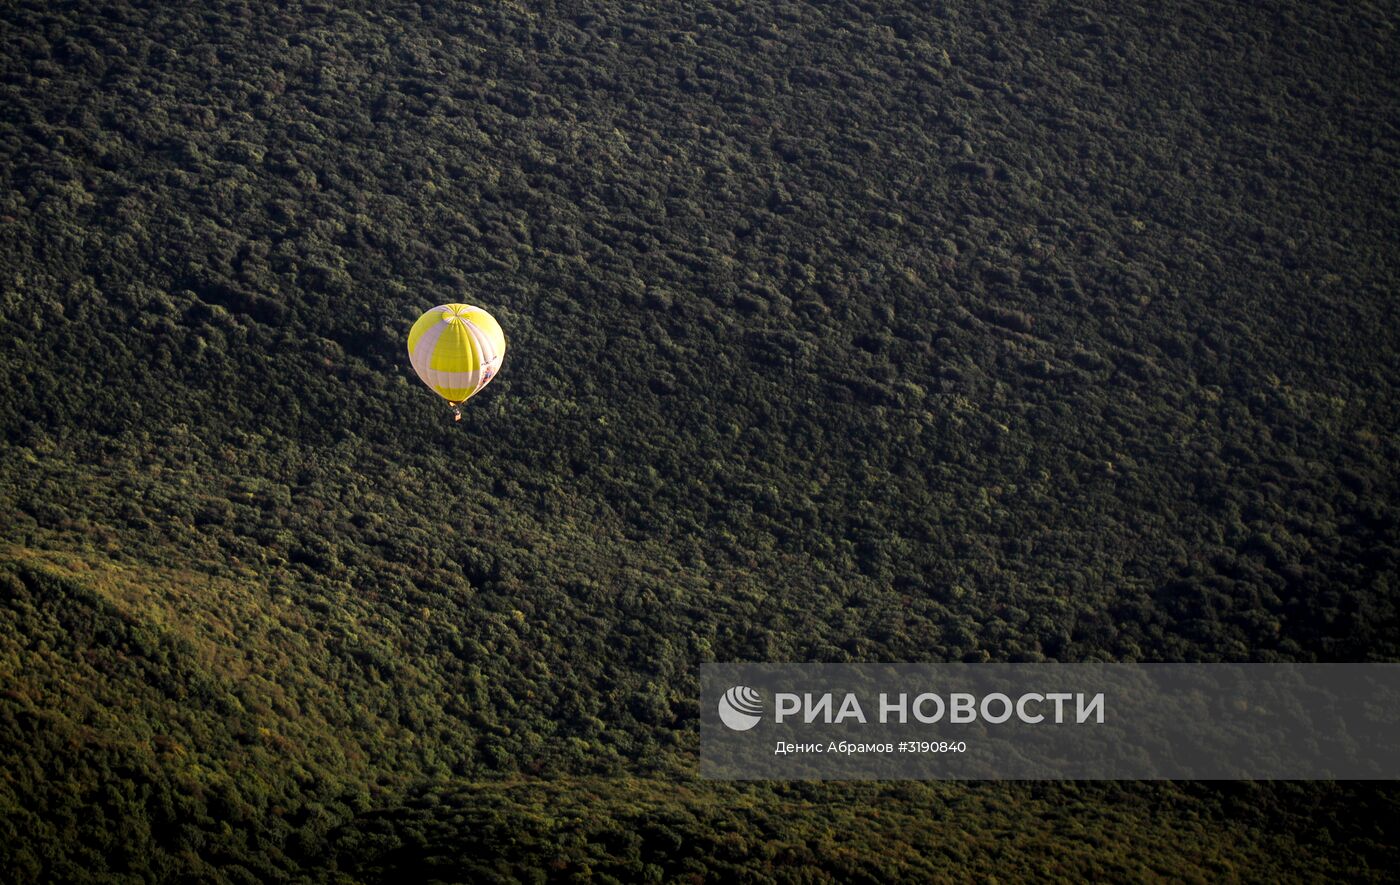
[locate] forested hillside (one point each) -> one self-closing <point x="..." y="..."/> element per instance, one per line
<point x="838" y="331"/>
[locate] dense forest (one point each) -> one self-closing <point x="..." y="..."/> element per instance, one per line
<point x="842" y="331"/>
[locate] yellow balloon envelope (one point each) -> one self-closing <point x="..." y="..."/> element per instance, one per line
<point x="456" y="349"/>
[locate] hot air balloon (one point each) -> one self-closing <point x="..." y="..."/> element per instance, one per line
<point x="456" y="349"/>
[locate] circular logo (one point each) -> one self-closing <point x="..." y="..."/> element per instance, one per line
<point x="741" y="708"/>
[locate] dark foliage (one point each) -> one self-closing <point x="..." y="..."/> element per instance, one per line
<point x="838" y="331"/>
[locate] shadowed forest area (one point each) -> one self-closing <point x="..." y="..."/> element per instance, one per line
<point x="843" y="331"/>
